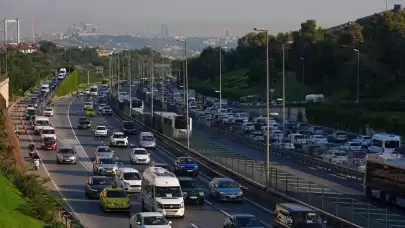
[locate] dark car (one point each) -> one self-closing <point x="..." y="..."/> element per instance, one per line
<point x="96" y="184"/>
<point x="128" y="127"/>
<point x="185" y="166"/>
<point x="191" y="191"/>
<point x="242" y="221"/>
<point x="84" y="123"/>
<point x="29" y="113"/>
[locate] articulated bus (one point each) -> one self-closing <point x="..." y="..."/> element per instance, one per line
<point x="385" y="177"/>
<point x="172" y="125"/>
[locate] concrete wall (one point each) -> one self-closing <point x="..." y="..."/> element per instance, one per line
<point x="4" y="89"/>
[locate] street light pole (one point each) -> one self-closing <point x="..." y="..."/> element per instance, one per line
<point x="302" y="79"/>
<point x="186" y="92"/>
<point x="130" y="83"/>
<point x="152" y="79"/>
<point x="267" y="105"/>
<point x="220" y="83"/>
<point x="283" y="84"/>
<point x="358" y="75"/>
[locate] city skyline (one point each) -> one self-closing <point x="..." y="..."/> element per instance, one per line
<point x="185" y="18"/>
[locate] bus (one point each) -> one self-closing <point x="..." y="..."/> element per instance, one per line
<point x="94" y="90"/>
<point x="172" y="125"/>
<point x="137" y="103"/>
<point x="385" y="176"/>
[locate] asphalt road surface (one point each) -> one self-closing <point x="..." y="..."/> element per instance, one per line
<point x="69" y="180"/>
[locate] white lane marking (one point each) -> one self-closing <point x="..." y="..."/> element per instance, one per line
<point x="194" y="225"/>
<point x="208" y="179"/>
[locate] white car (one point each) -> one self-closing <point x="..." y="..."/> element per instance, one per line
<point x="318" y="139"/>
<point x="101" y="106"/>
<point x="104" y="151"/>
<point x="364" y="140"/>
<point x="335" y="156"/>
<point x="149" y="220"/>
<point x="118" y="139"/>
<point x="101" y="131"/>
<point x="48" y="132"/>
<point x="352" y="146"/>
<point x="139" y="156"/>
<point x="48" y="112"/>
<point x="88" y="105"/>
<point x="128" y="179"/>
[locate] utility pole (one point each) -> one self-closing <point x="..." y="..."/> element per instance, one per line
<point x="88" y="77"/>
<point x="118" y="75"/>
<point x="130" y="83"/>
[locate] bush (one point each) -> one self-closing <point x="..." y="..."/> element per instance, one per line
<point x="69" y="84"/>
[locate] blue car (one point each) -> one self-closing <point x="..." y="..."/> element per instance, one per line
<point x="186" y="166"/>
<point x="225" y="189"/>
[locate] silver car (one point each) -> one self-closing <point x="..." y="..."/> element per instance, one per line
<point x="66" y="156"/>
<point x="105" y="166"/>
<point x="104" y="151"/>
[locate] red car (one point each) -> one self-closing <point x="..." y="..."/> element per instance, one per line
<point x="48" y="143"/>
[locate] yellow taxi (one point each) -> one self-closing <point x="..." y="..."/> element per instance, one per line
<point x="90" y="112"/>
<point x="115" y="199"/>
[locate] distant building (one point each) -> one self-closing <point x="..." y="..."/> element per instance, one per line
<point x="164" y="31"/>
<point x="228" y="33"/>
<point x="94" y="30"/>
<point x="88" y="28"/>
<point x="102" y="52"/>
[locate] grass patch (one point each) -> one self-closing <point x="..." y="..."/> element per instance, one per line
<point x="14" y="210"/>
<point x="235" y="84"/>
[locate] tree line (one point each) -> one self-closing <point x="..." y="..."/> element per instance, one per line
<point x="328" y="60"/>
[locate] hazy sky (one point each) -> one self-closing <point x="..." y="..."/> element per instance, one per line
<point x="186" y="17"/>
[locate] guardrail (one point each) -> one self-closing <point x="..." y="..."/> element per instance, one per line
<point x="253" y="184"/>
<point x="65" y="216"/>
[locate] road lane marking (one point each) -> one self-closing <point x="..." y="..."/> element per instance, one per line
<point x="194" y="225"/>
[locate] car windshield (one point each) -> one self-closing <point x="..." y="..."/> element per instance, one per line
<point x="354" y="144"/>
<point x="48" y="109"/>
<point x="366" y="137"/>
<point x="119" y="136"/>
<point x="174" y="191"/>
<point x="248" y="222"/>
<point x="147" y="138"/>
<point x="101" y="128"/>
<point x="140" y="152"/>
<point x="102" y="181"/>
<point x="116" y="194"/>
<point x="391" y="144"/>
<point x="340" y="154"/>
<point x="42" y="123"/>
<point x="228" y="184"/>
<point x="186" y="161"/>
<point x="103" y="149"/>
<point x="132" y="176"/>
<point x="340" y="134"/>
<point x="106" y="161"/>
<point x="48" y="131"/>
<point x="31" y="111"/>
<point x="188" y="184"/>
<point x="305" y="218"/>
<point x="154" y="221"/>
<point x="107" y="108"/>
<point x="129" y="125"/>
<point x="49" y="139"/>
<point x="66" y="151"/>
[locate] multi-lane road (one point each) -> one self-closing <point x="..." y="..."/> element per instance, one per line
<point x="69" y="180"/>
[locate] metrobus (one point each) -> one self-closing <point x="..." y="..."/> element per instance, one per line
<point x="172" y="125"/>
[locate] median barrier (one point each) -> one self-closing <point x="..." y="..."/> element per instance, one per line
<point x="254" y="183"/>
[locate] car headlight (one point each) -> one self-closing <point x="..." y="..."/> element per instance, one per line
<point x="73" y="158"/>
<point x="201" y="193"/>
<point x="182" y="205"/>
<point x="100" y="168"/>
<point x="126" y="183"/>
<point x="159" y="205"/>
<point x="240" y="193"/>
<point x="196" y="167"/>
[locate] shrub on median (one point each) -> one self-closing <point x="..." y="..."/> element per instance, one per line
<point x="69" y="84"/>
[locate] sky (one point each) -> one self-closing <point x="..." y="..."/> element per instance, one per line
<point x="185" y="17"/>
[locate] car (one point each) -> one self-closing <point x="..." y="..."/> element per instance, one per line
<point x="48" y="131"/>
<point x="105" y="166"/>
<point x="149" y="220"/>
<point x="225" y="189"/>
<point x="191" y="191"/>
<point x="104" y="151"/>
<point x="90" y="112"/>
<point x="84" y="123"/>
<point x="114" y="199"/>
<point x="352" y="146"/>
<point x="128" y="179"/>
<point x="118" y="139"/>
<point x="48" y="112"/>
<point x="317" y="139"/>
<point x="242" y="221"/>
<point x="96" y="184"/>
<point x="48" y="143"/>
<point x="186" y="166"/>
<point x="106" y="111"/>
<point x="30" y="111"/>
<point x="101" y="131"/>
<point x="128" y="127"/>
<point x="139" y="156"/>
<point x="364" y="140"/>
<point x="87" y="105"/>
<point x="66" y="155"/>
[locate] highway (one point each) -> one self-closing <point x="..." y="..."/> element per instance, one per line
<point x="70" y="179"/>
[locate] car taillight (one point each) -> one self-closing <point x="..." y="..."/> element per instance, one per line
<point x="43" y="144"/>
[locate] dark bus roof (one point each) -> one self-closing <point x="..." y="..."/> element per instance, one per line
<point x="291" y="207"/>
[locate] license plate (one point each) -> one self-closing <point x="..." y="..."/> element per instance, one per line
<point x="120" y="206"/>
<point x="232" y="196"/>
<point x="190" y="171"/>
<point x="193" y="197"/>
<point x="68" y="160"/>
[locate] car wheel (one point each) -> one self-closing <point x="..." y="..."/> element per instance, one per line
<point x="57" y="161"/>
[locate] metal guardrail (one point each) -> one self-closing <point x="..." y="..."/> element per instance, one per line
<point x="349" y="172"/>
<point x="251" y="175"/>
<point x="65" y="216"/>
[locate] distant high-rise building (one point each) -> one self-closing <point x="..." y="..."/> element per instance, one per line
<point x="88" y="28"/>
<point x="164" y="31"/>
<point x="228" y="33"/>
<point x="94" y="30"/>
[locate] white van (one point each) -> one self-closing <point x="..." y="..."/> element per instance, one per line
<point x="128" y="179"/>
<point x="45" y="88"/>
<point x="41" y="122"/>
<point x="161" y="192"/>
<point x="48" y="132"/>
<point x="384" y="143"/>
<point x="147" y="140"/>
<point x="94" y="90"/>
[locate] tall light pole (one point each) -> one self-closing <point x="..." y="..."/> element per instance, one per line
<point x="130" y="83"/>
<point x="303" y="78"/>
<point x="358" y="75"/>
<point x="267" y="104"/>
<point x="283" y="48"/>
<point x="186" y="92"/>
<point x="152" y="78"/>
<point x="220" y="83"/>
